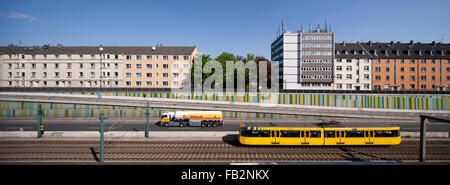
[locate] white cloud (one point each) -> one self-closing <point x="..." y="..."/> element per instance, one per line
<point x="17" y="15"/>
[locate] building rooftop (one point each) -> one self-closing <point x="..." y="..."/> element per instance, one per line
<point x="132" y="50"/>
<point x="392" y="50"/>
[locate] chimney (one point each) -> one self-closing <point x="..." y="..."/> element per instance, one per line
<point x="392" y="43"/>
<point x="434" y="43"/>
<point x="343" y="43"/>
<point x="370" y="43"/>
<point x="411" y="43"/>
<point x="59" y="45"/>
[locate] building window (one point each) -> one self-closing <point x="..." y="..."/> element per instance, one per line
<point x="138" y="75"/>
<point x="412" y="69"/>
<point x="349" y="76"/>
<point x="149" y="83"/>
<point x="128" y="83"/>
<point x="339" y="76"/>
<point x="377" y="69"/>
<point x="423" y="69"/>
<point x="186" y="66"/>
<point x="366" y="86"/>
<point x="138" y="83"/>
<point x="349" y="86"/>
<point x="387" y="69"/>
<point x="165" y="57"/>
<point x="149" y="66"/>
<point x="165" y="83"/>
<point x="377" y="77"/>
<point x="402" y="77"/>
<point x="128" y="66"/>
<point x="175" y="57"/>
<point x="128" y="75"/>
<point x="149" y="57"/>
<point x="366" y="77"/>
<point x="138" y="57"/>
<point x="128" y="57"/>
<point x="402" y="69"/>
<point x="165" y="66"/>
<point x="339" y="68"/>
<point x="387" y="77"/>
<point x="349" y="68"/>
<point x="366" y="68"/>
<point x="165" y="75"/>
<point x="138" y="66"/>
<point x="185" y="57"/>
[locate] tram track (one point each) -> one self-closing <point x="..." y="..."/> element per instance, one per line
<point x="211" y="151"/>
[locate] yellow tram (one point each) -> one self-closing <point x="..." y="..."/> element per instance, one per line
<point x="251" y="135"/>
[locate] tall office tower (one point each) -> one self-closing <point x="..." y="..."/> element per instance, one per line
<point x="305" y="58"/>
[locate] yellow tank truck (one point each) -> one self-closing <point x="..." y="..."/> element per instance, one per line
<point x="192" y="119"/>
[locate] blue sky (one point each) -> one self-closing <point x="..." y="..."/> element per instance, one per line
<point x="235" y="26"/>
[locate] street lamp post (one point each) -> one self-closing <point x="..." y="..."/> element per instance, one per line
<point x="102" y="146"/>
<point x="147" y="114"/>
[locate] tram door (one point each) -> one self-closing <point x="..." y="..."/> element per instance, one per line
<point x="369" y="136"/>
<point x="340" y="137"/>
<point x="305" y="136"/>
<point x="275" y="136"/>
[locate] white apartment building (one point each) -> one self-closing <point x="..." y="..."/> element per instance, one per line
<point x="305" y="59"/>
<point x="352" y="67"/>
<point x="60" y="67"/>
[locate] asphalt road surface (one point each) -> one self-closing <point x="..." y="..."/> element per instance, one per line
<point x="67" y="124"/>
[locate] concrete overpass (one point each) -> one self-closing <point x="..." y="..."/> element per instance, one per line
<point x="219" y="105"/>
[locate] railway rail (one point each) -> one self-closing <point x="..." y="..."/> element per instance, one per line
<point x="211" y="151"/>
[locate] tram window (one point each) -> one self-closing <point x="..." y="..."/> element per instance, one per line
<point x="264" y="133"/>
<point x="329" y="133"/>
<point x="386" y="133"/>
<point x="303" y="133"/>
<point x="315" y="133"/>
<point x="290" y="133"/>
<point x="255" y="133"/>
<point x="354" y="134"/>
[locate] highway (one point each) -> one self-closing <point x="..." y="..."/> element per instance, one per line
<point x="93" y="124"/>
